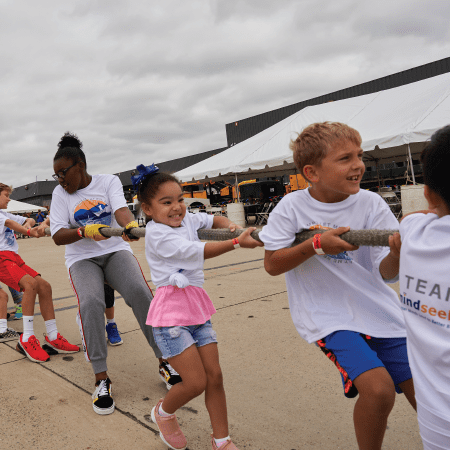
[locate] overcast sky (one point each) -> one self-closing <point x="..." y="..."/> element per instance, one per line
<point x="149" y="81"/>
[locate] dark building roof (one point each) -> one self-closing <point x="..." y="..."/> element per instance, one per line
<point x="240" y="130"/>
<point x="35" y="189"/>
<point x="45" y="188"/>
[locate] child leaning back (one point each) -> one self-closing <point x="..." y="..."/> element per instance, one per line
<point x="337" y="292"/>
<point x="17" y="275"/>
<point x="181" y="310"/>
<point x="425" y="294"/>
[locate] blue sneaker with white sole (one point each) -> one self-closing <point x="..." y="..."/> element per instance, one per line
<point x="113" y="334"/>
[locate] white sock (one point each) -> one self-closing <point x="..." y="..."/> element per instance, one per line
<point x="108" y="321"/>
<point x="52" y="331"/>
<point x="28" y="329"/>
<point x="3" y="325"/>
<point x="162" y="413"/>
<point x="219" y="442"/>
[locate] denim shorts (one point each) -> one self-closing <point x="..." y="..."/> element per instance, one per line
<point x="175" y="340"/>
<point x="354" y="353"/>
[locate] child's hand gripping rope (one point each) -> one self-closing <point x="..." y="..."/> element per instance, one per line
<point x="332" y="244"/>
<point x="245" y="240"/>
<point x="395" y="244"/>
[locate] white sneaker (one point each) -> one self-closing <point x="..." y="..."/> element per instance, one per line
<point x="9" y="335"/>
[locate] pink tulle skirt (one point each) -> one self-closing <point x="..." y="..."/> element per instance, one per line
<point x="173" y="306"/>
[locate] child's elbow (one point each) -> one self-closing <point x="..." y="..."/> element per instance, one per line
<point x="271" y="269"/>
<point x="57" y="239"/>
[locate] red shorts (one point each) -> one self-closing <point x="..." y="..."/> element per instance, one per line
<point x="13" y="269"/>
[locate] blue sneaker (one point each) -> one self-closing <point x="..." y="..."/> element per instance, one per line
<point x="113" y="334"/>
<point x="18" y="313"/>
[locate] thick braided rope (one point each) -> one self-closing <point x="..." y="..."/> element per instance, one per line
<point x="371" y="238"/>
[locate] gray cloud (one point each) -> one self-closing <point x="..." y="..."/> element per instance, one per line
<point x="152" y="81"/>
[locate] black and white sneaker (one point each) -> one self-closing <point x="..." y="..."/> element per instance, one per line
<point x="103" y="403"/>
<point x="9" y="335"/>
<point x="168" y="375"/>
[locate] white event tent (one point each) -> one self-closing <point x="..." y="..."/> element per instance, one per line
<point x="16" y="207"/>
<point x="394" y="124"/>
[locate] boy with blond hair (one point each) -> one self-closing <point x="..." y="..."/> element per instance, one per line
<point x="337" y="292"/>
<point x="16" y="274"/>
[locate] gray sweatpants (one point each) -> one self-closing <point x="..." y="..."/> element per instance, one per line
<point x="123" y="273"/>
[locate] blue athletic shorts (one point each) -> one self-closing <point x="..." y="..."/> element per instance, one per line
<point x="175" y="340"/>
<point x="355" y="353"/>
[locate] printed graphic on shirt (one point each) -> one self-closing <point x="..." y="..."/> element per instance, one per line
<point x="9" y="236"/>
<point x="92" y="211"/>
<point x="429" y="292"/>
<point x="340" y="257"/>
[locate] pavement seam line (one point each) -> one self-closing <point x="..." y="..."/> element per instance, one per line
<point x="125" y="413"/>
<point x="148" y="281"/>
<point x="252" y="300"/>
<point x="207" y="278"/>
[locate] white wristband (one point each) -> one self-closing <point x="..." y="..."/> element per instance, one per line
<point x="236" y="243"/>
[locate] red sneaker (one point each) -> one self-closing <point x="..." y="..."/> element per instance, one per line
<point x="32" y="350"/>
<point x="62" y="345"/>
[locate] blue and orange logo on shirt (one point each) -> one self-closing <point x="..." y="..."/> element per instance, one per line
<point x="9" y="236"/>
<point x="92" y="211"/>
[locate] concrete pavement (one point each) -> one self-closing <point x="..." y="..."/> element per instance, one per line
<point x="282" y="393"/>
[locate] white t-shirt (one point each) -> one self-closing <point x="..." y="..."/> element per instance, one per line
<point x="96" y="203"/>
<point x="343" y="292"/>
<point x="7" y="237"/>
<point x="425" y="301"/>
<point x="169" y="250"/>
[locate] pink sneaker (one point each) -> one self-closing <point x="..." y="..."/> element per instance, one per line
<point x="169" y="430"/>
<point x="62" y="345"/>
<point x="226" y="446"/>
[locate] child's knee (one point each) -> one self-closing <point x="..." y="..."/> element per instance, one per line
<point x="196" y="384"/>
<point x="29" y="284"/>
<point x="381" y="393"/>
<point x="215" y="377"/>
<point x="44" y="286"/>
<point x="197" y="387"/>
<point x="3" y="296"/>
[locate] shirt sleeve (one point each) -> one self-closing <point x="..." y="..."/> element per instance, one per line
<point x="280" y="229"/>
<point x="115" y="193"/>
<point x="59" y="213"/>
<point x="202" y="220"/>
<point x="8" y="216"/>
<point x="407" y="223"/>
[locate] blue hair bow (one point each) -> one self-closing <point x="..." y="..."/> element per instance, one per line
<point x="144" y="172"/>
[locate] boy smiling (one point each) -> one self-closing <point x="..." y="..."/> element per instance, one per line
<point x="337" y="292"/>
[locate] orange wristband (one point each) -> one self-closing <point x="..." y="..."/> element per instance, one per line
<point x="235" y="243"/>
<point x="28" y="232"/>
